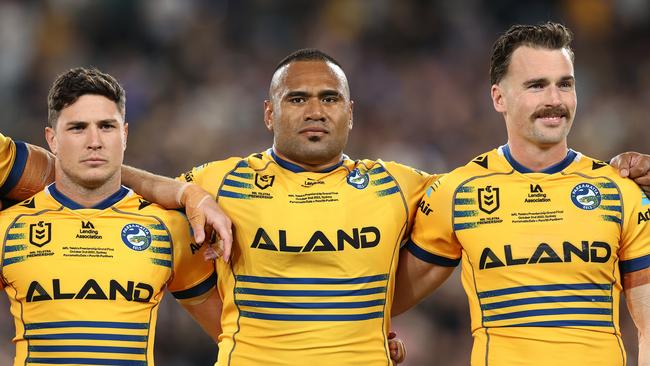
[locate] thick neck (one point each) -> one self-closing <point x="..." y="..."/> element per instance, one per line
<point x="84" y="196"/>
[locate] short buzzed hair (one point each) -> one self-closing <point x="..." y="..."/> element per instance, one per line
<point x="307" y="54"/>
<point x="552" y="36"/>
<point x="74" y="83"/>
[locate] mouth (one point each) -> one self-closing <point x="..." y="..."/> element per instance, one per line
<point x="94" y="161"/>
<point x="313" y="131"/>
<point x="552" y="116"/>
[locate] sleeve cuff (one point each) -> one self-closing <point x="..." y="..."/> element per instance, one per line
<point x="198" y="290"/>
<point x="17" y="168"/>
<point x="430" y="257"/>
<point x="633" y="265"/>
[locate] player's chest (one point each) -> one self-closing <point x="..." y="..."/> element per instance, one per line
<point x="514" y="222"/>
<point x="87" y="249"/>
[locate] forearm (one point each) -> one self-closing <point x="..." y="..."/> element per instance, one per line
<point x="416" y="279"/>
<point x="638" y="302"/>
<point x="208" y="315"/>
<point x="155" y="188"/>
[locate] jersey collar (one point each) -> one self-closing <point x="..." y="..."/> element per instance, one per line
<point x="69" y="203"/>
<point x="297" y="168"/>
<point x="568" y="159"/>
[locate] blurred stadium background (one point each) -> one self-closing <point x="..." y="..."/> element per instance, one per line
<point x="197" y="71"/>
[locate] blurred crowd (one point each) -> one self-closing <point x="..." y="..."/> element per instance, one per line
<point x="196" y="73"/>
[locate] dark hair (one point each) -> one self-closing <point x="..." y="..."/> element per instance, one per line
<point x="74" y="83"/>
<point x="548" y="35"/>
<point x="307" y="54"/>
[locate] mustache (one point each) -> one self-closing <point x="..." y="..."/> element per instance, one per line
<point x="554" y="111"/>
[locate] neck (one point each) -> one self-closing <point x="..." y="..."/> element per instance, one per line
<point x="537" y="158"/>
<point x="86" y="196"/>
<point x="315" y="167"/>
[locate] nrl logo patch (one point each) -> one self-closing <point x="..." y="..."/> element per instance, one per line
<point x="488" y="199"/>
<point x="264" y="181"/>
<point x="40" y="233"/>
<point x="136" y="237"/>
<point x="357" y="179"/>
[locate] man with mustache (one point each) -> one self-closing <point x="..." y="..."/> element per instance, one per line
<point x="547" y="237"/>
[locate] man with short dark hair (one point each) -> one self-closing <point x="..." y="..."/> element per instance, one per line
<point x="547" y="237"/>
<point x="85" y="262"/>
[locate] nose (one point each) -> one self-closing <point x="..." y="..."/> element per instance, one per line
<point x="94" y="138"/>
<point x="314" y="110"/>
<point x="554" y="96"/>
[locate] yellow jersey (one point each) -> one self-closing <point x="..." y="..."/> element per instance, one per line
<point x="314" y="257"/>
<point x="13" y="156"/>
<point x="541" y="254"/>
<point x="85" y="284"/>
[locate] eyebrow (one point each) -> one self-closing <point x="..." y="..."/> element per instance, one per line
<point x="322" y="93"/>
<point x="546" y="81"/>
<point x="77" y="123"/>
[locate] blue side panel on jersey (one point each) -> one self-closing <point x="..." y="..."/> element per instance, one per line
<point x="85" y="361"/>
<point x="606" y="185"/>
<point x="566" y="323"/>
<point x="224" y="193"/>
<point x="553" y="287"/>
<point x="86" y="324"/>
<point x="546" y="299"/>
<point x="469" y="213"/>
<point x="238" y="184"/>
<point x="199" y="289"/>
<point x="388" y="192"/>
<point x="465" y="189"/>
<point x="161" y="250"/>
<point x="611" y="218"/>
<point x="311" y="305"/>
<point x="15" y="248"/>
<point x="636" y="264"/>
<point x="383" y="180"/>
<point x="17" y="168"/>
<point x="242" y="175"/>
<point x="164" y="238"/>
<point x="542" y="312"/>
<point x="9" y="261"/>
<point x="88" y="336"/>
<point x="464" y="201"/>
<point x="15" y="236"/>
<point x="157" y="226"/>
<point x="311" y="281"/>
<point x="18" y="225"/>
<point x="611" y="197"/>
<point x="430" y="257"/>
<point x="242" y="164"/>
<point x="161" y="262"/>
<point x="465" y="225"/>
<point x="611" y="208"/>
<point x="298" y="317"/>
<point x="98" y="349"/>
<point x="266" y="292"/>
<point x="377" y="170"/>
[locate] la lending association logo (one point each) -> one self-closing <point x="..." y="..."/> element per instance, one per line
<point x="136" y="237"/>
<point x="586" y="196"/>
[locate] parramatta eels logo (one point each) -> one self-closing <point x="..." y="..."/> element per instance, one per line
<point x="357" y="179"/>
<point x="136" y="237"/>
<point x="586" y="196"/>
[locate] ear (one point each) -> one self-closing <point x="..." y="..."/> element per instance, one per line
<point x="50" y="137"/>
<point x="498" y="98"/>
<point x="125" y="135"/>
<point x="351" y="122"/>
<point x="268" y="115"/>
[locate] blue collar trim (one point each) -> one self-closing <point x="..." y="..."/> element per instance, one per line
<point x="106" y="203"/>
<point x="568" y="159"/>
<point x="298" y="169"/>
